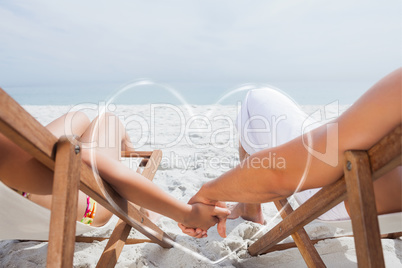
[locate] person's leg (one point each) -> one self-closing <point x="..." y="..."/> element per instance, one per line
<point x="267" y="119"/>
<point x="73" y="123"/>
<point x="107" y="135"/>
<point x="19" y="170"/>
<point x="387" y="187"/>
<point x="250" y="212"/>
<point x="37" y="179"/>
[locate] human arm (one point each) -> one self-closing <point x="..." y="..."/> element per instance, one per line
<point x="139" y="190"/>
<point x="376" y="113"/>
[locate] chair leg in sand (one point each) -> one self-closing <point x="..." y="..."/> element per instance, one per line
<point x="22" y="129"/>
<point x="64" y="205"/>
<point x="121" y="232"/>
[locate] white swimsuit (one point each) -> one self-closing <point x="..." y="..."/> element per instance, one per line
<point x="267" y="119"/>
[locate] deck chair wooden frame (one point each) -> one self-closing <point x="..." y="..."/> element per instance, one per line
<point x="70" y="174"/>
<point x="361" y="168"/>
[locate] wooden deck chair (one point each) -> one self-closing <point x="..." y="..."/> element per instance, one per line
<point x="70" y="174"/>
<point x="361" y="168"/>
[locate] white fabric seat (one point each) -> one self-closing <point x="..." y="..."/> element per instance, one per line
<point x="389" y="223"/>
<point x="22" y="219"/>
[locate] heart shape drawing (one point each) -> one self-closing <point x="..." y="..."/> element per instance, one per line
<point x="200" y="143"/>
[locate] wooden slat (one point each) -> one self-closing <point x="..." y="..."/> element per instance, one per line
<point x="115" y="245"/>
<point x="322" y="201"/>
<point x="64" y="205"/>
<point x="386" y="154"/>
<point x="301" y="238"/>
<point x="328" y="196"/>
<point x="18" y="125"/>
<point x="152" y="165"/>
<point x="363" y="210"/>
<point x="289" y="245"/>
<point x="140" y="154"/>
<point x="129" y="241"/>
<point x="97" y="189"/>
<point x="146" y="154"/>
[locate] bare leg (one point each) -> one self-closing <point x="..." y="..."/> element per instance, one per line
<point x="106" y="134"/>
<point x="21" y="171"/>
<point x="250" y="212"/>
<point x="387" y="190"/>
<point x="358" y="128"/>
<point x="37" y="179"/>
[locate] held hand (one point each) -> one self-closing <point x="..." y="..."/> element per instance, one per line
<point x="221" y="214"/>
<point x="202" y="217"/>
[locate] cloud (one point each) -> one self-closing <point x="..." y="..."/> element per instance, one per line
<point x="183" y="41"/>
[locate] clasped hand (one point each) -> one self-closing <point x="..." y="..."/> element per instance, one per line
<point x="205" y="214"/>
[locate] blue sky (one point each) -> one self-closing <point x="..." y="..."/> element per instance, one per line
<point x="198" y="46"/>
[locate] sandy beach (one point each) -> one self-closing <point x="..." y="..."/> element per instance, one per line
<point x="194" y="151"/>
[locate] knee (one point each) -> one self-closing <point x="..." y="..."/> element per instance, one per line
<point x="81" y="118"/>
<point x="77" y="122"/>
<point x="111" y="122"/>
<point x="262" y="96"/>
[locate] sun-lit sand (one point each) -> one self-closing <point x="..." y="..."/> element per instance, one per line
<point x="195" y="150"/>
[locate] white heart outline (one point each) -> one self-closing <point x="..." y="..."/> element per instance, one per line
<point x="249" y="86"/>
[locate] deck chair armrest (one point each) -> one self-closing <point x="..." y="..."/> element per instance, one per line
<point x="133" y="153"/>
<point x="151" y="158"/>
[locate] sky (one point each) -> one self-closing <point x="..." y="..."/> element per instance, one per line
<point x="314" y="50"/>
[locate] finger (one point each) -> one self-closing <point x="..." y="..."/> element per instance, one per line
<point x="221" y="212"/>
<point x="200" y="235"/>
<point x="199" y="199"/>
<point x="190" y="232"/>
<point x="197" y="233"/>
<point x="182" y="227"/>
<point x="186" y="230"/>
<point x="222" y="227"/>
<point x="221" y="204"/>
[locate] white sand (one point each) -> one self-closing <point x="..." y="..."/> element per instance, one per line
<point x="183" y="170"/>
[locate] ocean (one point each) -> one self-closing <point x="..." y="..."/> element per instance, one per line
<point x="303" y="92"/>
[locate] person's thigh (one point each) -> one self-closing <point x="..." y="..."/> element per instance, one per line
<point x="105" y="134"/>
<point x="72" y="123"/>
<point x="19" y="170"/>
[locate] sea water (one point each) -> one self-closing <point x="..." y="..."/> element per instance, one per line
<point x="303" y="92"/>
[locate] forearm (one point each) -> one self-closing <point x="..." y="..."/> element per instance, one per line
<point x="243" y="184"/>
<point x="273" y="173"/>
<point x="318" y="163"/>
<point x="137" y="189"/>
